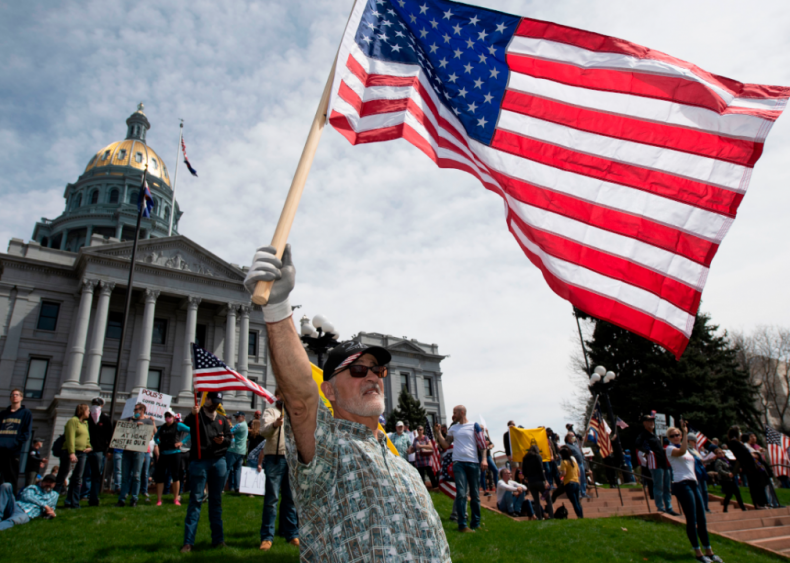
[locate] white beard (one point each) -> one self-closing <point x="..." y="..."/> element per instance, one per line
<point x="365" y="405"/>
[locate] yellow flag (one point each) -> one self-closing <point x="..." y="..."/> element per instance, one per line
<point x="318" y="376"/>
<point x="220" y="409"/>
<point x="521" y="439"/>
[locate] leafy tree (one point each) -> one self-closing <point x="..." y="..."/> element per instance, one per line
<point x="706" y="386"/>
<point x="409" y="410"/>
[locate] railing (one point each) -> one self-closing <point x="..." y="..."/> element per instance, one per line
<point x="643" y="477"/>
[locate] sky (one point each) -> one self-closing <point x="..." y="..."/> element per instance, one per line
<point x="383" y="241"/>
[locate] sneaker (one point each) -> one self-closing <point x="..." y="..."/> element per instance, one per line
<point x="703" y="559"/>
<point x="466" y="530"/>
<point x="715" y="558"/>
<point x="672" y="512"/>
<point x="266" y="545"/>
<point x="294" y="541"/>
<point x="186" y="549"/>
<point x="177" y="502"/>
<point x="159" y="503"/>
<point x="220" y="544"/>
<point x="453" y="518"/>
<point x="133" y="503"/>
<point x="120" y="503"/>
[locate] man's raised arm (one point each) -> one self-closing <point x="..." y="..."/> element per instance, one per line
<point x="444" y="442"/>
<point x="289" y="360"/>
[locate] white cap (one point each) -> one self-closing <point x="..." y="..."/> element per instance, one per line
<point x="399" y="423"/>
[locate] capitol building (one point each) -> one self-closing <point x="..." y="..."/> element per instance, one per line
<point x="62" y="297"/>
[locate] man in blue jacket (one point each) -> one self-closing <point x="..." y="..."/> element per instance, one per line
<point x="15" y="426"/>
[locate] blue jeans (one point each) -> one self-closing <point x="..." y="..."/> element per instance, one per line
<point x="96" y="467"/>
<point x="582" y="480"/>
<point x="572" y="490"/>
<point x="703" y="490"/>
<point x="512" y="503"/>
<point x="10" y="513"/>
<point x="117" y="470"/>
<point x="144" y="474"/>
<point x="662" y="488"/>
<point x="467" y="476"/>
<point x="214" y="472"/>
<point x="75" y="481"/>
<point x="277" y="484"/>
<point x="690" y="500"/>
<point x="234" y="461"/>
<point x="132" y="466"/>
<point x="493" y="469"/>
<point x="553" y="473"/>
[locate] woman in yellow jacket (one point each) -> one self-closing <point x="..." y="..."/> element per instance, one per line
<point x="77" y="444"/>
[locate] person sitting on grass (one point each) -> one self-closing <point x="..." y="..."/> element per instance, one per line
<point x="169" y="456"/>
<point x="687" y="491"/>
<point x="34" y="501"/>
<point x="511" y="496"/>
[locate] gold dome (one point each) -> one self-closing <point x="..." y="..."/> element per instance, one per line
<point x="134" y="153"/>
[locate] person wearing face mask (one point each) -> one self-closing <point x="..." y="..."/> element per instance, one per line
<point x="167" y="438"/>
<point x="210" y="439"/>
<point x="132" y="462"/>
<point x="357" y="501"/>
<point x="100" y="431"/>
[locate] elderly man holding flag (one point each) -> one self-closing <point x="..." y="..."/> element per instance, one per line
<point x="357" y="501"/>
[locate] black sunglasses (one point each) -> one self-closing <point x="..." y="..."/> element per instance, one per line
<point x="358" y="370"/>
<point x="674" y="435"/>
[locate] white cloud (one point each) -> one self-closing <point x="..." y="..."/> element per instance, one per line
<point x="383" y="240"/>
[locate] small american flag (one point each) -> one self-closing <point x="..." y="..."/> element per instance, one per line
<point x="777" y="450"/>
<point x="446" y="476"/>
<point x="436" y="463"/>
<point x="145" y="200"/>
<point x="604" y="443"/>
<point x="701" y="439"/>
<point x="211" y="374"/>
<point x="186" y="160"/>
<point x="621" y="423"/>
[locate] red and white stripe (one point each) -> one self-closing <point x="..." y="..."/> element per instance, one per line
<point x="621" y="168"/>
<point x="225" y="379"/>
<point x="779" y="458"/>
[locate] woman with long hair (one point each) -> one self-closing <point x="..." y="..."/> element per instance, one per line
<point x="76" y="447"/>
<point x="537" y="480"/>
<point x="687" y="491"/>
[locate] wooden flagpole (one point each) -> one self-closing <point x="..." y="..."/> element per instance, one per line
<point x="263" y="289"/>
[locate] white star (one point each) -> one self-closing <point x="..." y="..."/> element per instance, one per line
<point x="423" y="33"/>
<point x="396" y="48"/>
<point x="399" y="34"/>
<point x="370" y="25"/>
<point x="472" y="107"/>
<point x="478" y="83"/>
<point x="434" y="23"/>
<point x="375" y="13"/>
<point x="366" y="39"/>
<point x="447" y="15"/>
<point x="453" y="77"/>
<point x="462" y="92"/>
<point x="446" y="95"/>
<point x="468" y="68"/>
<point x="392" y="12"/>
<point x="439" y="80"/>
<point x="488" y="98"/>
<point x="492" y="50"/>
<point x="481" y="122"/>
<point x="474" y="20"/>
<point x="482" y="58"/>
<point x="383" y="36"/>
<point x="386" y="22"/>
<point x="402" y="3"/>
<point x="494" y="73"/>
<point x="443" y="63"/>
<point x="380" y="2"/>
<point x="456" y="111"/>
<point x="482" y="35"/>
<point x="458" y="53"/>
<point x="433" y="48"/>
<point x="500" y="28"/>
<point x="412" y="18"/>
<point x="457" y="29"/>
<point x="423" y="8"/>
<point x="470" y="43"/>
<point x="446" y="38"/>
<point x="403" y="25"/>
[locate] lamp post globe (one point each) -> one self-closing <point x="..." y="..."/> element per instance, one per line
<point x="319" y="338"/>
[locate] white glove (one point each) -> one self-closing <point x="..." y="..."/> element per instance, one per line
<point x="266" y="267"/>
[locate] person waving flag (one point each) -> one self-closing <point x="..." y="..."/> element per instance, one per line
<point x="621" y="168"/>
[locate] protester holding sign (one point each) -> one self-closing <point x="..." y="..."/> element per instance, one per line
<point x="169" y="456"/>
<point x="210" y="436"/>
<point x="132" y="463"/>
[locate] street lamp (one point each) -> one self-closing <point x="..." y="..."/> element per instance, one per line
<point x="601" y="381"/>
<point x="319" y="337"/>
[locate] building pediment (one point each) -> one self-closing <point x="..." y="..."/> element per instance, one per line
<point x="404" y="346"/>
<point x="171" y="253"/>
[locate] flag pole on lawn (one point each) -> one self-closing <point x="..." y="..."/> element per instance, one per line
<point x="197" y="404"/>
<point x="141" y="203"/>
<point x="263" y="289"/>
<point x="175" y="180"/>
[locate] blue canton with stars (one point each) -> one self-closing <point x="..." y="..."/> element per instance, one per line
<point x="461" y="49"/>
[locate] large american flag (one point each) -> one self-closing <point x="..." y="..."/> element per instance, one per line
<point x="621" y="168"/>
<point x="436" y="462"/>
<point x="446" y="475"/>
<point x="602" y="429"/>
<point x="211" y="374"/>
<point x="777" y="450"/>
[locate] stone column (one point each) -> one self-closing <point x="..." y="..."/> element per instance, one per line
<point x="244" y="338"/>
<point x="119" y="230"/>
<point x="23" y="302"/>
<point x="146" y="334"/>
<point x="230" y="340"/>
<point x="96" y="349"/>
<point x="189" y="338"/>
<point x="64" y="235"/>
<point x="79" y="331"/>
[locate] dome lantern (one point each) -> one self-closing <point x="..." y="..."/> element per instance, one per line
<point x="137" y="124"/>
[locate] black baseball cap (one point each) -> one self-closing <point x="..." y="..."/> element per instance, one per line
<point x="347" y="352"/>
<point x="215" y="396"/>
<point x="648" y="416"/>
<point x="239" y="413"/>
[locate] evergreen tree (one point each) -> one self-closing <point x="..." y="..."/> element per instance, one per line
<point x="409" y="410"/>
<point x="706" y="386"/>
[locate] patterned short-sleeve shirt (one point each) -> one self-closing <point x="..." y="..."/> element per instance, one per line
<point x="358" y="502"/>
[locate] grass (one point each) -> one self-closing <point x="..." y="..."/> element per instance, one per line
<point x="782" y="494"/>
<point x="155" y="534"/>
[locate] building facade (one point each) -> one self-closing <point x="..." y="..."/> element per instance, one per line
<point x="62" y="298"/>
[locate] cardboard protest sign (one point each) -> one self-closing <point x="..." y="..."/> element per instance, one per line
<point x="252" y="482"/>
<point x="156" y="404"/>
<point x="129" y="436"/>
<point x="521" y="439"/>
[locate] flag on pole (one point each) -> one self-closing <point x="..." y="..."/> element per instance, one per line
<point x="621" y="168"/>
<point x="777" y="451"/>
<point x="436" y="461"/>
<point x="621" y="423"/>
<point x="604" y="442"/>
<point x="145" y="200"/>
<point x="701" y="439"/>
<point x="211" y="374"/>
<point x="186" y="160"/>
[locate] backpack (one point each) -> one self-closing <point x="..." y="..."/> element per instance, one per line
<point x="561" y="513"/>
<point x="57" y="447"/>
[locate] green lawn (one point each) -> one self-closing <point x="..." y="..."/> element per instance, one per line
<point x="154" y="534"/>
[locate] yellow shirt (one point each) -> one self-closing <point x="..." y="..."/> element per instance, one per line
<point x="570" y="471"/>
